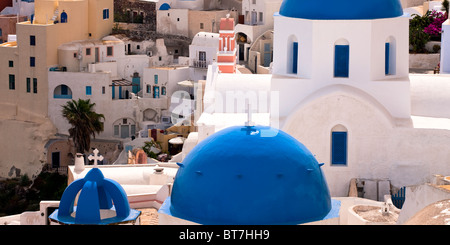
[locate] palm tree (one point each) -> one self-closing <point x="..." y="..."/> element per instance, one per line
<point x="85" y="122"/>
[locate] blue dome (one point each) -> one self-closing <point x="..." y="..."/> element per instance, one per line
<point x="97" y="193"/>
<point x="238" y="176"/>
<point x="341" y="10"/>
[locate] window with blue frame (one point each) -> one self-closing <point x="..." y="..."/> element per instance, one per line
<point x="294" y="57"/>
<point x="339" y="148"/>
<point x="156" y="79"/>
<point x="105" y="14"/>
<point x="341" y="60"/>
<point x="88" y="90"/>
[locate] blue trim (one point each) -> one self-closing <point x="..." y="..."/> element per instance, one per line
<point x="341" y="60"/>
<point x="339" y="148"/>
<point x="341" y="10"/>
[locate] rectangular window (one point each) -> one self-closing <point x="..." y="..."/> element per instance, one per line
<point x="88" y="90"/>
<point x="260" y="16"/>
<point x="295" y="58"/>
<point x="88" y="51"/>
<point x="341" y="60"/>
<point x="149" y="89"/>
<point x="156" y="92"/>
<point x="103" y="90"/>
<point x="116" y="130"/>
<point x="12" y="82"/>
<point x="28" y="85"/>
<point x="32" y="61"/>
<point x="109" y="51"/>
<point x="106" y="14"/>
<point x="201" y="26"/>
<point x="32" y="40"/>
<point x="386" y="59"/>
<point x="339" y="148"/>
<point x="35" y="85"/>
<point x="156" y="79"/>
<point x="11" y="63"/>
<point x="163" y="90"/>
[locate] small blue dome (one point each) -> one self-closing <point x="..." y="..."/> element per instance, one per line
<point x="97" y="193"/>
<point x="239" y="176"/>
<point x="341" y="10"/>
<point x="164" y="6"/>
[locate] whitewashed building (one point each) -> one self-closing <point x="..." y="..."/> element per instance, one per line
<point x="340" y="85"/>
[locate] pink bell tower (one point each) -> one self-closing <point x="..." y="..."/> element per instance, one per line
<point x="226" y="57"/>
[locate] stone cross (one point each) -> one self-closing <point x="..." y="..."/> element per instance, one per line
<point x="95" y="157"/>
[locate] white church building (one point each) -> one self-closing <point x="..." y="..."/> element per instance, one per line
<point x="340" y="84"/>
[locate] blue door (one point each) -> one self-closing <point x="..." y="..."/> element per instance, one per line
<point x="136" y="81"/>
<point x="339" y="148"/>
<point x="156" y="92"/>
<point x="341" y="60"/>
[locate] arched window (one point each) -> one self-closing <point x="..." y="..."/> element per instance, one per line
<point x="63" y="17"/>
<point x="341" y="58"/>
<point x="389" y="56"/>
<point x="62" y="92"/>
<point x="292" y="55"/>
<point x="339" y="145"/>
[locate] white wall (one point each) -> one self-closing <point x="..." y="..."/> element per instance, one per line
<point x="173" y="21"/>
<point x="316" y="40"/>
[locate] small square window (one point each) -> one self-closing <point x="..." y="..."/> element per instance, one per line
<point x="75" y="55"/>
<point x="11" y="63"/>
<point x="32" y="40"/>
<point x="88" y="90"/>
<point x="138" y="47"/>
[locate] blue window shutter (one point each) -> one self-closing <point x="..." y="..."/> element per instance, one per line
<point x="386" y="59"/>
<point x="88" y="90"/>
<point x="295" y="58"/>
<point x="339" y="148"/>
<point x="341" y="60"/>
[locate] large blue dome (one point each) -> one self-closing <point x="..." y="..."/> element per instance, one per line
<point x="239" y="176"/>
<point x="341" y="10"/>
